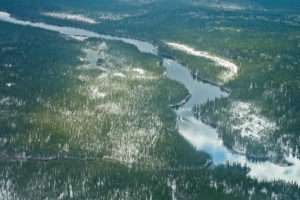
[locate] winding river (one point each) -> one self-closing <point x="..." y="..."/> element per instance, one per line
<point x="198" y="134"/>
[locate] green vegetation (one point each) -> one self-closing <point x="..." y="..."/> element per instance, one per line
<point x="91" y="120"/>
<point x="106" y="180"/>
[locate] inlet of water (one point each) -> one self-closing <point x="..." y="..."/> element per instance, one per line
<point x="201" y="136"/>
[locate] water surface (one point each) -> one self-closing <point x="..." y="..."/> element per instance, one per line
<point x="142" y="46"/>
<point x="205" y="138"/>
<point x="198" y="134"/>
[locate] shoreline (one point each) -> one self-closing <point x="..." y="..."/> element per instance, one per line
<point x="146" y="47"/>
<point x="198" y="78"/>
<point x="226" y="64"/>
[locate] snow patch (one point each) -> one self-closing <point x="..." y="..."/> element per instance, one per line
<point x="231" y="67"/>
<point x="79" y="38"/>
<point x="72" y="17"/>
<point x="226" y="6"/>
<point x="112" y="16"/>
<point x="111" y="108"/>
<point x="94" y="93"/>
<point x="4" y="14"/>
<point x="10" y="84"/>
<point x="8" y="65"/>
<point x="9" y="101"/>
<point x="142" y="74"/>
<point x="6" y="190"/>
<point x="247" y="119"/>
<point x="139" y="70"/>
<point x="268" y="171"/>
<point x="119" y="74"/>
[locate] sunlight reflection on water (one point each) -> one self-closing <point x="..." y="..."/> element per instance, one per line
<point x="200" y="135"/>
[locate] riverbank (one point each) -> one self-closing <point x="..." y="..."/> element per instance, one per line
<point x="226" y="64"/>
<point x="192" y="130"/>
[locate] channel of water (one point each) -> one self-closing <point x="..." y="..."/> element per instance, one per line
<point x="203" y="137"/>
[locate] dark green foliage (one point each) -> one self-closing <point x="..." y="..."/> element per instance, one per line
<point x="265" y="45"/>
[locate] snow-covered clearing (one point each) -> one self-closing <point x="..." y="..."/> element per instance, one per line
<point x="230" y="66"/>
<point x="69" y="16"/>
<point x="247" y="119"/>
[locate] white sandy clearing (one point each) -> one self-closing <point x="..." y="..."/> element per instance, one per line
<point x="72" y="17"/>
<point x="231" y="67"/>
